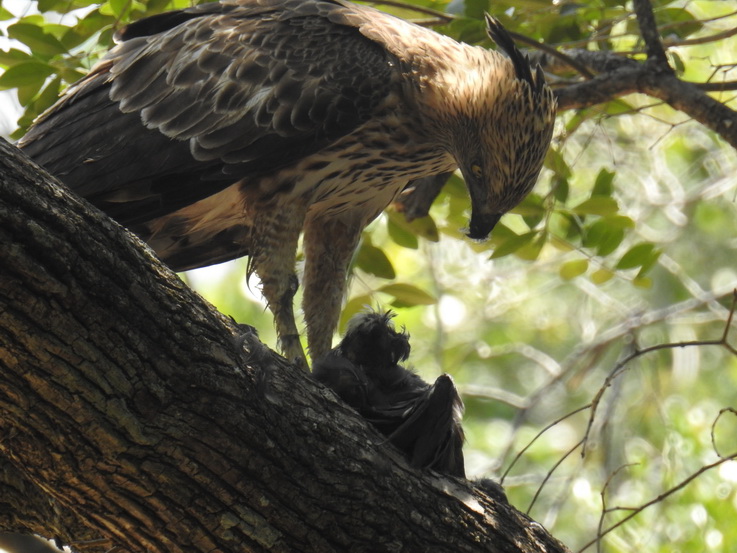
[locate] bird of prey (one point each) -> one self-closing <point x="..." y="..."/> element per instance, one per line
<point x="232" y="128"/>
<point x="422" y="421"/>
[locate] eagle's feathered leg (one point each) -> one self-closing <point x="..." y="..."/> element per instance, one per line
<point x="329" y="244"/>
<point x="273" y="259"/>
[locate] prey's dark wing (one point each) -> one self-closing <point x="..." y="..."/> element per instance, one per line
<point x="192" y="101"/>
<point x="431" y="434"/>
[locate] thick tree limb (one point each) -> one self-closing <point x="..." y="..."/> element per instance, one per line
<point x="130" y="403"/>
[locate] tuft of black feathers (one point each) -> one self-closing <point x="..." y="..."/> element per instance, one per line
<point x="521" y="63"/>
<point x="421" y="420"/>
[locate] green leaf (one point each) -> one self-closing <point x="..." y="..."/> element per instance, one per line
<point x="572" y="269"/>
<point x="401" y="235"/>
<point x="405" y="232"/>
<point x="373" y="260"/>
<point x="5" y="14"/>
<point x="531" y="207"/>
<point x="603" y="185"/>
<point x="25" y="74"/>
<point x="560" y="188"/>
<point x="637" y="256"/>
<point x="13" y="56"/>
<point x="27" y="93"/>
<point x="606" y="234"/>
<point x="48" y="95"/>
<point x="557" y="164"/>
<point x="679" y="20"/>
<point x="117" y="8"/>
<point x="40" y="42"/>
<point x="407" y="295"/>
<point x="531" y="251"/>
<point x="512" y="244"/>
<point x="352" y="307"/>
<point x="601" y="276"/>
<point x="597" y="205"/>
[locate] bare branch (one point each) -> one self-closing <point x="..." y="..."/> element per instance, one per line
<point x="548" y="427"/>
<point x="637" y="510"/>
<point x="621" y="366"/>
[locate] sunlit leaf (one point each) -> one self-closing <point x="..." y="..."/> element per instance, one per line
<point x="40" y="42"/>
<point x="352" y="307"/>
<point x="401" y="235"/>
<point x="407" y="295"/>
<point x="556" y="163"/>
<point x="25" y="74"/>
<point x="512" y="244"/>
<point x="5" y="14"/>
<point x="571" y="269"/>
<point x="13" y="56"/>
<point x="531" y="250"/>
<point x="597" y="205"/>
<point x="601" y="276"/>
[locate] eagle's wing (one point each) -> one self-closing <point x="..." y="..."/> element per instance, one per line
<point x="192" y="101"/>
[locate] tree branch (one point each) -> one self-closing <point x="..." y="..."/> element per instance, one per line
<point x="135" y="405"/>
<point x="682" y="96"/>
<point x="651" y="36"/>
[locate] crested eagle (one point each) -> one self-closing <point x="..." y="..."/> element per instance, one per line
<point x="232" y="128"/>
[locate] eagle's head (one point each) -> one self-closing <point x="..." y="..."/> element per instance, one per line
<point x="501" y="128"/>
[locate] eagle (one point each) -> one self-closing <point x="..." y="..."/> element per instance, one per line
<point x="422" y="421"/>
<point x="233" y="128"/>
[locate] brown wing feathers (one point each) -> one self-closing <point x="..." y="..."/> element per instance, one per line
<point x="213" y="109"/>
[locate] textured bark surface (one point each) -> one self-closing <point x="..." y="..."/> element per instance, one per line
<point x="134" y="414"/>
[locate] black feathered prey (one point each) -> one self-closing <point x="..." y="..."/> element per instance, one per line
<point x="422" y="421"/>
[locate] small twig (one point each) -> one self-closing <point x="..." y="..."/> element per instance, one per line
<point x="713" y="430"/>
<point x="548" y="427"/>
<point x="621" y="366"/>
<point x="701" y="40"/>
<point x="442" y="16"/>
<point x="637" y="510"/>
<point x="568" y="60"/>
<point x="604" y="509"/>
<point x="550" y="473"/>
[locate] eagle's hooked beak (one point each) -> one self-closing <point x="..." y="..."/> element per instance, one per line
<point x="483" y="208"/>
<point x="482" y="224"/>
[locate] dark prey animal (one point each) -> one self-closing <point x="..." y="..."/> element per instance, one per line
<point x="422" y="421"/>
<point x="232" y="128"/>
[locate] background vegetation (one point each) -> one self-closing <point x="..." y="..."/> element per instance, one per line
<point x="627" y="243"/>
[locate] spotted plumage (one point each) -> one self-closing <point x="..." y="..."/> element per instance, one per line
<point x="228" y="129"/>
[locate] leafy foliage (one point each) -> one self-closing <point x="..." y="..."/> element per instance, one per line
<point x="628" y="241"/>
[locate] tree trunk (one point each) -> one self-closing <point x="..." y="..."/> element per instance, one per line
<point x="134" y="415"/>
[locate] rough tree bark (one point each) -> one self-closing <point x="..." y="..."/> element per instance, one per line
<point x="134" y="415"/>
